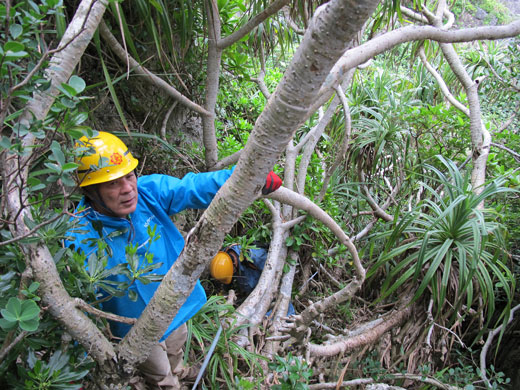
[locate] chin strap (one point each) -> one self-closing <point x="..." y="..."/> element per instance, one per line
<point x="92" y="194"/>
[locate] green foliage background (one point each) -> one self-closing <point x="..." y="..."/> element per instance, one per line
<point x="402" y="125"/>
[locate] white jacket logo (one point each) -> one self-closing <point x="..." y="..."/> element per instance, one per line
<point x="147" y="223"/>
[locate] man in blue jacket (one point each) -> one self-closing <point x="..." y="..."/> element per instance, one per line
<point x="122" y="209"/>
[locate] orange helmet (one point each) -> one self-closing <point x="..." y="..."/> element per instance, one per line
<point x="221" y="267"/>
<point x="111" y="159"/>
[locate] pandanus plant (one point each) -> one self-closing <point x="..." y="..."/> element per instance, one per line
<point x="451" y="248"/>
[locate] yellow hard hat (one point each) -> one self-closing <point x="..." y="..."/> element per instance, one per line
<point x="111" y="160"/>
<point x="221" y="267"/>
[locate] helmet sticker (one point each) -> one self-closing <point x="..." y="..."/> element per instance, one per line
<point x="116" y="159"/>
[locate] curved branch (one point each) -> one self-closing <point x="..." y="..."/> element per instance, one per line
<point x="141" y="70"/>
<point x="281" y="307"/>
<point x="389" y="377"/>
<point x="365" y="338"/>
<point x="442" y="84"/>
<point x="360" y="54"/>
<point x="489" y="340"/>
<point x="253" y="309"/>
<point x="226" y="161"/>
<point x="416" y="16"/>
<point x="346" y="136"/>
<point x="515" y="155"/>
<point x="309" y="143"/>
<point x="5" y="349"/>
<point x="378" y="211"/>
<point x="260" y="81"/>
<point x="480" y="136"/>
<point x="292" y="24"/>
<point x="298" y="325"/>
<point x="284" y="195"/>
<point x="251" y="24"/>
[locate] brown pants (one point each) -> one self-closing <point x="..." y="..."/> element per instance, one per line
<point x="164" y="366"/>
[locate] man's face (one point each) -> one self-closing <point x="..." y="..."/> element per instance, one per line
<point x="120" y="195"/>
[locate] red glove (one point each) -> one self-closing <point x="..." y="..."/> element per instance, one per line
<point x="272" y="183"/>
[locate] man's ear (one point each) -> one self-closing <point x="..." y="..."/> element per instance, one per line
<point x="91" y="193"/>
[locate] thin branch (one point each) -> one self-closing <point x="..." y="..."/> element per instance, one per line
<point x="293" y="222"/>
<point x="284" y="195"/>
<point x="33" y="230"/>
<point x="141" y="70"/>
<point x="260" y="80"/>
<point x="291" y="23"/>
<point x="251" y="24"/>
<point x="378" y="211"/>
<point x="508" y="122"/>
<point x="5" y="350"/>
<point x="346" y="135"/>
<point x="226" y="161"/>
<point x="389" y="377"/>
<point x="487" y="344"/>
<point x="345" y="344"/>
<point x="120" y="20"/>
<point x="81" y="304"/>
<point x="513" y="80"/>
<point x="442" y="84"/>
<point x="515" y="155"/>
<point x="165" y="120"/>
<point x="416" y="16"/>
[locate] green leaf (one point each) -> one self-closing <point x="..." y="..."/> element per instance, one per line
<point x="53" y="167"/>
<point x="13" y="46"/>
<point x="67" y="102"/>
<point x="30" y="325"/>
<point x="110" y="84"/>
<point x="7" y="325"/>
<point x="5" y="143"/>
<point x="132" y="295"/>
<point x="77" y="83"/>
<point x="441" y="252"/>
<point x="67" y="90"/>
<point x="10" y="55"/>
<point x="29" y="310"/>
<point x="69" y="167"/>
<point x="15" y="30"/>
<point x="13" y="309"/>
<point x="59" y="157"/>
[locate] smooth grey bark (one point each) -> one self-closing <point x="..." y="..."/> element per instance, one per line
<point x="362" y="53"/>
<point x="212" y="83"/>
<point x="324" y="42"/>
<point x="15" y="170"/>
<point x="348" y="343"/>
<point x="252" y="310"/>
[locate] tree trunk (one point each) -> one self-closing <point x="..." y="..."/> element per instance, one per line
<point x="16" y="169"/>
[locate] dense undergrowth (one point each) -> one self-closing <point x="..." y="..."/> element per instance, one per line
<point x="440" y="244"/>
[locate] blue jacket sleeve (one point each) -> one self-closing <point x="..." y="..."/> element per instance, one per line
<point x="194" y="191"/>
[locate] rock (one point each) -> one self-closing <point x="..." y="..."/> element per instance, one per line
<point x="480" y="14"/>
